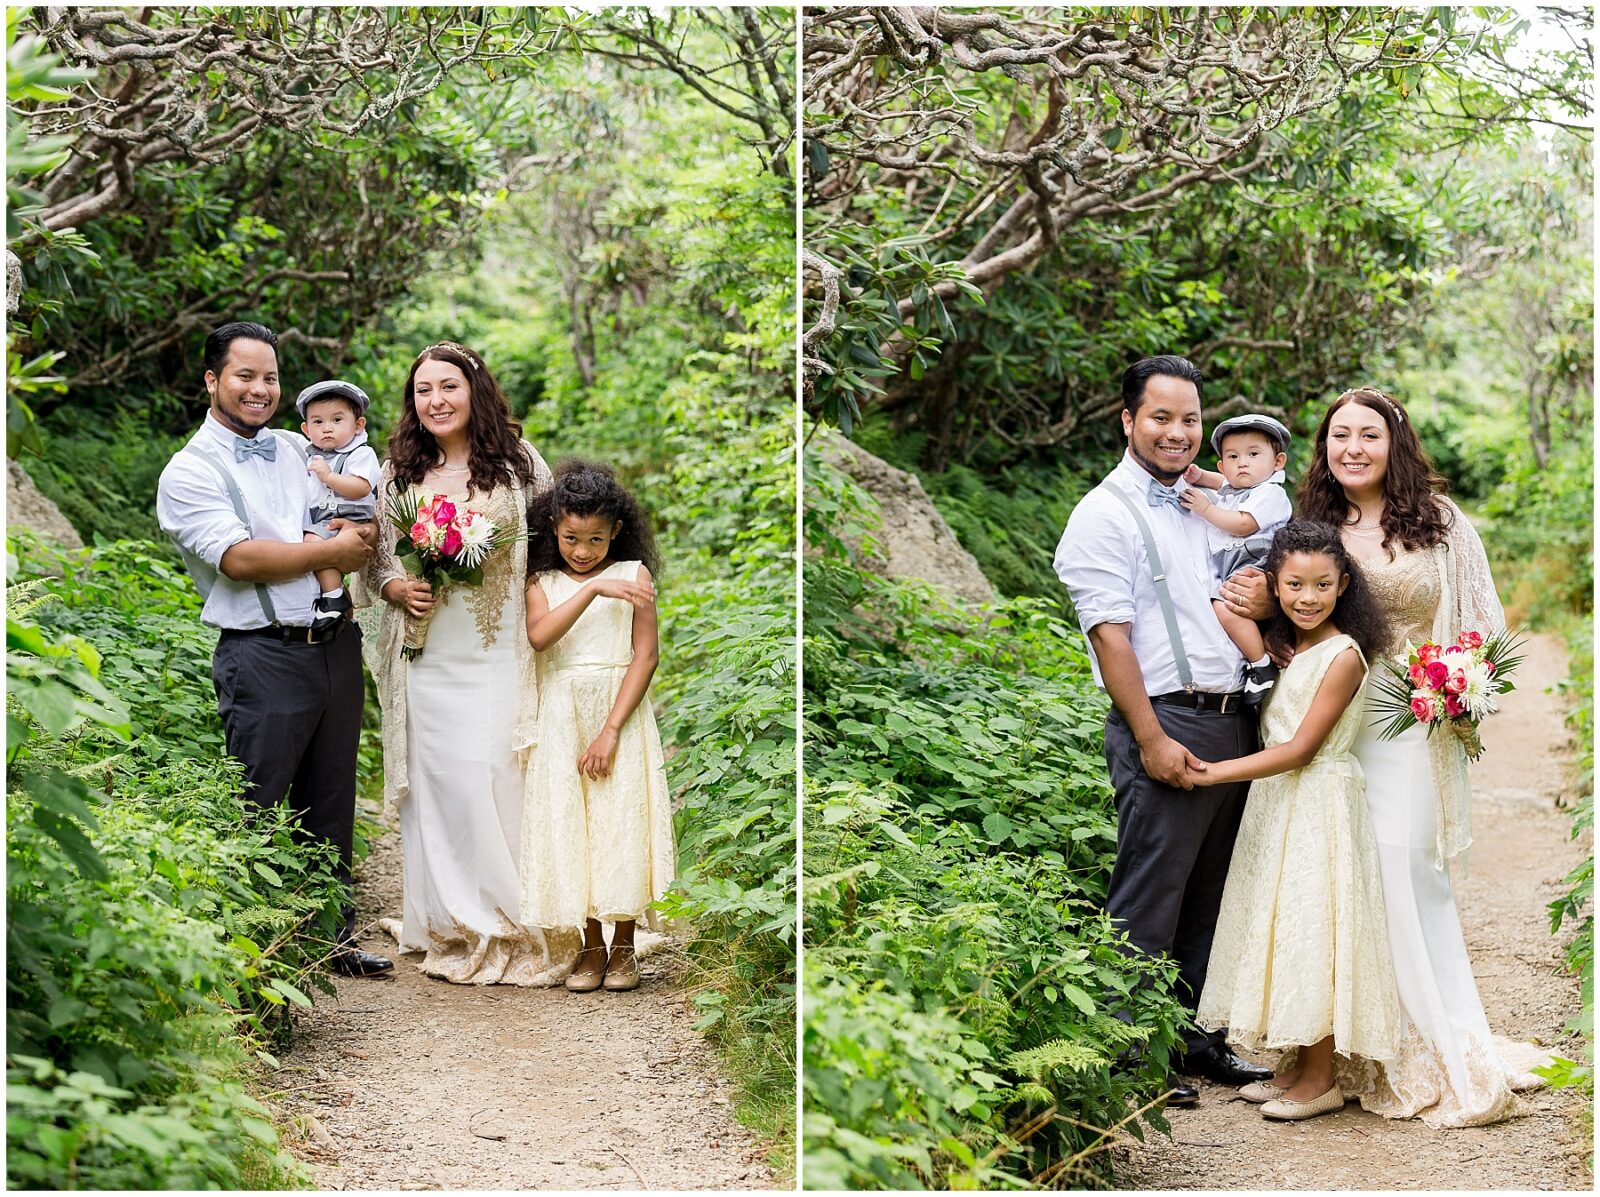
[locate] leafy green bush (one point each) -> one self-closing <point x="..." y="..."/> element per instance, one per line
<point x="158" y="931"/>
<point x="1576" y="906"/>
<point x="1541" y="537"/>
<point x="959" y="836"/>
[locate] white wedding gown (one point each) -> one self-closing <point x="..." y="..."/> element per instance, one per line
<point x="1451" y="1071"/>
<point x="452" y="715"/>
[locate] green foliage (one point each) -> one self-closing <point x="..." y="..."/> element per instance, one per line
<point x="959" y="836"/>
<point x="158" y="932"/>
<point x="1575" y="908"/>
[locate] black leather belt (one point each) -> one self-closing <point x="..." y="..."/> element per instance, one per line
<point x="1203" y="700"/>
<point x="289" y="633"/>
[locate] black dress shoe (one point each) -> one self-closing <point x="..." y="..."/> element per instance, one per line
<point x="1182" y="1093"/>
<point x="351" y="961"/>
<point x="1222" y="1066"/>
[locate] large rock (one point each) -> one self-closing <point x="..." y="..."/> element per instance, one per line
<point x="916" y="541"/>
<point x="27" y="507"/>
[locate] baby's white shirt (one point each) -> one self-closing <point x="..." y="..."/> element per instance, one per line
<point x="1267" y="501"/>
<point x="362" y="462"/>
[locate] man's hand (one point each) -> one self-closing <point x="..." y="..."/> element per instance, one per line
<point x="1169" y="762"/>
<point x="350" y="550"/>
<point x="1195" y="500"/>
<point x="367" y="531"/>
<point x="1246" y="593"/>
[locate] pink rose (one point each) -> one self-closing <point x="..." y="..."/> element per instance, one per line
<point x="1453" y="707"/>
<point x="1422" y="709"/>
<point x="1457" y="683"/>
<point x="1428" y="653"/>
<point x="1416" y="675"/>
<point x="1470" y="640"/>
<point x="1488" y="666"/>
<point x="1438" y="673"/>
<point x="419" y="534"/>
<point x="452" y="543"/>
<point x="444" y="512"/>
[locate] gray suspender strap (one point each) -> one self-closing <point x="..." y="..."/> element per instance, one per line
<point x="1163" y="592"/>
<point x="237" y="500"/>
<point x="287" y="439"/>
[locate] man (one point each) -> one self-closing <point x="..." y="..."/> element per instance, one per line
<point x="291" y="695"/>
<point x="1174" y="679"/>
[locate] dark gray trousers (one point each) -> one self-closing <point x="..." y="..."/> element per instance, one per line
<point x="1173" y="846"/>
<point x="292" y="716"/>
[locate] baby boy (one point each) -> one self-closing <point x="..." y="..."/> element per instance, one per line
<point x="1248" y="506"/>
<point x="346" y="474"/>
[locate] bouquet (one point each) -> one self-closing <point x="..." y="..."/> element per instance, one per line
<point x="443" y="543"/>
<point x="1452" y="686"/>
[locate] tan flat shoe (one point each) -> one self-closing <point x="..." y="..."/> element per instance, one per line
<point x="1284" y="1109"/>
<point x="622" y="970"/>
<point x="587" y="982"/>
<point x="1261" y="1092"/>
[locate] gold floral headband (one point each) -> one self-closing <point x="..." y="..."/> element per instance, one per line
<point x="1371" y="392"/>
<point x="454" y="346"/>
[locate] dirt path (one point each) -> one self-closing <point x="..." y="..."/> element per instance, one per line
<point x="1519" y="856"/>
<point x="414" y="1083"/>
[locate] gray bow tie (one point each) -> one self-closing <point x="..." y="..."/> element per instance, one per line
<point x="266" y="447"/>
<point x="1158" y="494"/>
<point x="1228" y="488"/>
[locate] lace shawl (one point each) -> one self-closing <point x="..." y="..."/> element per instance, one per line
<point x="388" y="665"/>
<point x="1467" y="602"/>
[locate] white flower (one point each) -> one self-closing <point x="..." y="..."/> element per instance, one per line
<point x="1479" y="696"/>
<point x="477" y="536"/>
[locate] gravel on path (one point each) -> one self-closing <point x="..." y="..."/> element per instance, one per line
<point x="1520" y="854"/>
<point x="415" y="1083"/>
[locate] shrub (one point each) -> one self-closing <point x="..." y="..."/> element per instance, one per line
<point x="959" y="835"/>
<point x="158" y="931"/>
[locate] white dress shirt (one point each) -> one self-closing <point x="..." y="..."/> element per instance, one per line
<point x="193" y="508"/>
<point x="1102" y="561"/>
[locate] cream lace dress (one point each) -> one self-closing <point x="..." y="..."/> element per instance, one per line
<point x="457" y="725"/>
<point x="1300" y="951"/>
<point x="593" y="847"/>
<point x="1450" y="1070"/>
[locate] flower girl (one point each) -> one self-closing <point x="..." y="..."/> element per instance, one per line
<point x="597" y="821"/>
<point x="1301" y="954"/>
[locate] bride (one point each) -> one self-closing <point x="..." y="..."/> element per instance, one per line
<point x="1425" y="564"/>
<point x="459" y="717"/>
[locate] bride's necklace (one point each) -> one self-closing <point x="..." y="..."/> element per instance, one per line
<point x="450" y="469"/>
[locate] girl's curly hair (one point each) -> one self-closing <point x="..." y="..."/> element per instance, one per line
<point x="1413" y="511"/>
<point x="494" y="440"/>
<point x="1356" y="614"/>
<point x="588" y="488"/>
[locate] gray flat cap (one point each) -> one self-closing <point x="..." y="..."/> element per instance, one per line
<point x="1252" y="422"/>
<point x="332" y="388"/>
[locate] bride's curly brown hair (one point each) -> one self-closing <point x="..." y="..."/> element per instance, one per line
<point x="588" y="488"/>
<point x="1414" y="514"/>
<point x="494" y="440"/>
<point x="1356" y="614"/>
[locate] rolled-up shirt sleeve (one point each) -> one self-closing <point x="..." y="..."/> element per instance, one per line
<point x="1097" y="563"/>
<point x="193" y="510"/>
